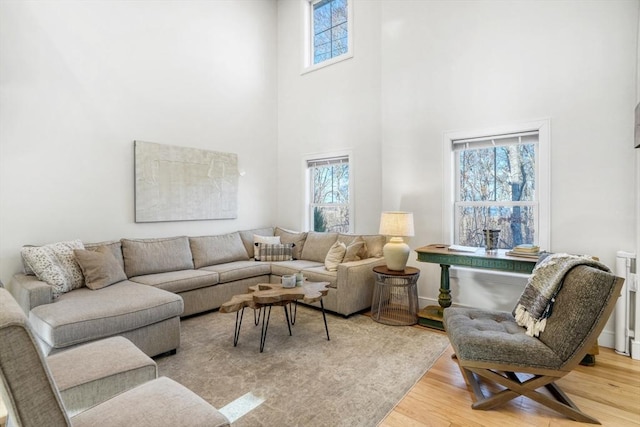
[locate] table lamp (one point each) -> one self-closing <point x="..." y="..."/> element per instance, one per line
<point x="396" y="225"/>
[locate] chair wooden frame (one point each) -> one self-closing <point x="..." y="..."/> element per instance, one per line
<point x="506" y="375"/>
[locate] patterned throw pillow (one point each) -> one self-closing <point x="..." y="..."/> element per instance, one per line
<point x="274" y="252"/>
<point x="55" y="264"/>
<point x="258" y="239"/>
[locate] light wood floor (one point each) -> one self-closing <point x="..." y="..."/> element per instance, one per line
<point x="608" y="391"/>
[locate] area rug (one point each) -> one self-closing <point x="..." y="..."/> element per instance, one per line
<point x="353" y="379"/>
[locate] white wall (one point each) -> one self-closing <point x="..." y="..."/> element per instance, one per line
<point x="331" y="109"/>
<point x="442" y="66"/>
<point x="469" y="65"/>
<point x="80" y="81"/>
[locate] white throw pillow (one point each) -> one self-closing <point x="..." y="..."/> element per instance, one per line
<point x="335" y="256"/>
<point x="55" y="264"/>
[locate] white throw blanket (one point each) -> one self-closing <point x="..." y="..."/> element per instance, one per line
<point x="536" y="302"/>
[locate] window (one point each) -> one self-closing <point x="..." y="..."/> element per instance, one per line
<point x="499" y="182"/>
<point x="328" y="32"/>
<point x="329" y="194"/>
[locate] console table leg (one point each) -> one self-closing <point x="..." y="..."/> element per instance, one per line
<point x="236" y="331"/>
<point x="444" y="298"/>
<point x="263" y="336"/>
<point x="431" y="315"/>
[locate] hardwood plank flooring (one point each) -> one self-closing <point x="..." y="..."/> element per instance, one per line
<point x="608" y="391"/>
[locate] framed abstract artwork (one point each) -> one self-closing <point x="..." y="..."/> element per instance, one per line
<point x="174" y="183"/>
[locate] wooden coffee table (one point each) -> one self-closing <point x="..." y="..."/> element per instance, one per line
<point x="266" y="295"/>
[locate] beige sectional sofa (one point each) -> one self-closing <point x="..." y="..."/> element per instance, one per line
<point x="169" y="278"/>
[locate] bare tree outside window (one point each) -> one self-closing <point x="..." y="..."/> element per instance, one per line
<point x="330" y="29"/>
<point x="496" y="190"/>
<point x="329" y="194"/>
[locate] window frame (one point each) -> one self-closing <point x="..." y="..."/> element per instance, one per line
<point x="308" y="190"/>
<point x="543" y="188"/>
<point x="308" y="65"/>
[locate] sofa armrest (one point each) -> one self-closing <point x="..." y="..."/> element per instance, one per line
<point x="29" y="291"/>
<point x="355" y="284"/>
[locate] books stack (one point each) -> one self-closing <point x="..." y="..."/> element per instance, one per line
<point x="526" y="251"/>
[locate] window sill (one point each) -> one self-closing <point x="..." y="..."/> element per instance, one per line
<point x="326" y="63"/>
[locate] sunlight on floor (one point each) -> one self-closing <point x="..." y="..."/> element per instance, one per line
<point x="241" y="406"/>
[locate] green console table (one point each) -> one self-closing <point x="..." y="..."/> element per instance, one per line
<point x="440" y="254"/>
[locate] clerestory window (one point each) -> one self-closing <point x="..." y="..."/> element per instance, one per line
<point x="329" y="32"/>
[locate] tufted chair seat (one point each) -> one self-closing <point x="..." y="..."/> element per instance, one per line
<point x="491" y="346"/>
<point x="495" y="337"/>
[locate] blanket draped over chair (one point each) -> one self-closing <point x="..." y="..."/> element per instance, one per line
<point x="536" y="302"/>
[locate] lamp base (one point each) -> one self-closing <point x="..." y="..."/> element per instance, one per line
<point x="396" y="253"/>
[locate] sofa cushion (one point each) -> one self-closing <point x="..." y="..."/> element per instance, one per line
<point x="179" y="281"/>
<point x="239" y="270"/>
<point x="335" y="256"/>
<point x="297" y="238"/>
<point x="247" y="237"/>
<point x="277" y="252"/>
<point x="293" y="267"/>
<point x="317" y="246"/>
<point x="148" y="256"/>
<point x="55" y="264"/>
<point x="99" y="267"/>
<point x="84" y="383"/>
<point x="115" y="246"/>
<point x="373" y="243"/>
<point x="210" y="250"/>
<point x="85" y="315"/>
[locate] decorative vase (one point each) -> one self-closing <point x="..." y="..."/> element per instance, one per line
<point x="491" y="240"/>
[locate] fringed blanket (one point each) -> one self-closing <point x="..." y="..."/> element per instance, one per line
<point x="536" y="302"/>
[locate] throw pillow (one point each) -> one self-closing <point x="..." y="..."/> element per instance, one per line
<point x="55" y="264"/>
<point x="317" y="245"/>
<point x="271" y="240"/>
<point x="335" y="256"/>
<point x="99" y="267"/>
<point x="274" y="252"/>
<point x="356" y="250"/>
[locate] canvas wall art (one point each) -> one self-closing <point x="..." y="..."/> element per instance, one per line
<point x="181" y="184"/>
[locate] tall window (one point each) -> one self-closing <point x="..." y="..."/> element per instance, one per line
<point x="500" y="182"/>
<point x="329" y="198"/>
<point x="329" y="32"/>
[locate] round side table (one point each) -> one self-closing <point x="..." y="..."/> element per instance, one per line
<point x="395" y="296"/>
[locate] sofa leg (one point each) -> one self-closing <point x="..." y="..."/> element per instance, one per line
<point x="166" y="353"/>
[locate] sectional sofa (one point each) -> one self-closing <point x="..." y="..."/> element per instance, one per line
<point x="139" y="288"/>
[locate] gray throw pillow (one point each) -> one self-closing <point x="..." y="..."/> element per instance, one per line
<point x="99" y="267"/>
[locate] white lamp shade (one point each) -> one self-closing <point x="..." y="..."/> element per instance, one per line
<point x="396" y="224"/>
